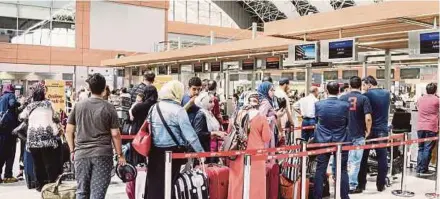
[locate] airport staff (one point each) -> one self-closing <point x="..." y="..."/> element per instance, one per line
<point x="332" y="126"/>
<point x="306" y="108"/>
<point x="380" y="104"/>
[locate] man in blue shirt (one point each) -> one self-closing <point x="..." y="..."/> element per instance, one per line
<point x="332" y="115"/>
<point x="195" y="86"/>
<point x="380" y="104"/>
<point x="359" y="124"/>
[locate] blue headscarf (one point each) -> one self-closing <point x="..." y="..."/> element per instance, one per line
<point x="263" y="91"/>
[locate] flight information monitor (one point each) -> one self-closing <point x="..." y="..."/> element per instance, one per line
<point x="338" y="50"/>
<point x="429" y="43"/>
<point x="423" y="43"/>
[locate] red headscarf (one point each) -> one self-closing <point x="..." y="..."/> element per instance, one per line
<point x="8" y="88"/>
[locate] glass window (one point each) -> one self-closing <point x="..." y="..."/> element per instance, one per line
<point x="287" y="75"/>
<point x="180" y="11"/>
<point x="410" y="73"/>
<point x="330" y="75"/>
<point x="300" y="76"/>
<point x="192" y="12"/>
<point x="38" y="22"/>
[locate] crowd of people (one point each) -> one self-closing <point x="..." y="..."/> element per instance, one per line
<point x="192" y="122"/>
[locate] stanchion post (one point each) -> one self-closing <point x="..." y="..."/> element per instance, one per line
<point x="436" y="194"/>
<point x="247" y="176"/>
<point x="391" y="156"/>
<point x="168" y="172"/>
<point x="338" y="171"/>
<point x="303" y="171"/>
<point x="402" y="192"/>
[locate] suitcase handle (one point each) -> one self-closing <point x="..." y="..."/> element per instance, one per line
<point x="59" y="181"/>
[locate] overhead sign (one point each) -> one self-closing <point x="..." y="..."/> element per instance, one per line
<point x="423" y="43"/>
<point x="163" y="70"/>
<point x="338" y="50"/>
<point x="304" y="53"/>
<point x="175" y="69"/>
<point x="248" y="64"/>
<point x="273" y="62"/>
<point x="56" y="94"/>
<point x="198" y="67"/>
<point x="216" y="66"/>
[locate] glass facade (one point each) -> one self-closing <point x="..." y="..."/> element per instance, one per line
<point x="47" y="22"/>
<point x="199" y="12"/>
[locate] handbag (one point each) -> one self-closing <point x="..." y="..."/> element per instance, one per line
<point x="21" y="131"/>
<point x="142" y="141"/>
<point x="59" y="190"/>
<point x="182" y="148"/>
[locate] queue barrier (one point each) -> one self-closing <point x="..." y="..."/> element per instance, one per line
<point x="304" y="153"/>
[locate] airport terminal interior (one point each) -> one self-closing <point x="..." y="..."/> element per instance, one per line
<point x="238" y="44"/>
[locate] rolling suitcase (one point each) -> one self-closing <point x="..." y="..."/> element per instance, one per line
<point x="291" y="190"/>
<point x="272" y="180"/>
<point x="29" y="173"/>
<point x="218" y="179"/>
<point x="191" y="184"/>
<point x="136" y="189"/>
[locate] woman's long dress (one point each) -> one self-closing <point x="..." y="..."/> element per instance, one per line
<point x="259" y="134"/>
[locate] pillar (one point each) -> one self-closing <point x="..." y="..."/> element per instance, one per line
<point x="387" y="69"/>
<point x="364" y="69"/>
<point x="254" y="35"/>
<point x="308" y="78"/>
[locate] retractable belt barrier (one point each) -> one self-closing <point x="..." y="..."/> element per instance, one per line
<point x="293" y="152"/>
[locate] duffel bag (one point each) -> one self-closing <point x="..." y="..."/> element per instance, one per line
<point x="60" y="190"/>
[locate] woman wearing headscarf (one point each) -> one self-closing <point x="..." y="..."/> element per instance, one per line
<point x="206" y="124"/>
<point x="141" y="110"/>
<point x="259" y="134"/>
<point x="8" y="105"/>
<point x="174" y="116"/>
<point x="42" y="137"/>
<point x="266" y="93"/>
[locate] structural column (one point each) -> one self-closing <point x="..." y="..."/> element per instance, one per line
<point x="254" y="35"/>
<point x="387" y="69"/>
<point x="130" y="76"/>
<point x="308" y="78"/>
<point x="364" y="69"/>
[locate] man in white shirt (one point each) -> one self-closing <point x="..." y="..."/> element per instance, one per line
<point x="305" y="107"/>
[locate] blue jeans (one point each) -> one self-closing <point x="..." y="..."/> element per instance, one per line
<point x="425" y="151"/>
<point x="308" y="134"/>
<point x="321" y="174"/>
<point x="381" y="160"/>
<point x="354" y="162"/>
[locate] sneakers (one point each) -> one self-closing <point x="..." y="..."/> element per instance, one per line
<point x="10" y="180"/>
<point x="426" y="173"/>
<point x="20" y="176"/>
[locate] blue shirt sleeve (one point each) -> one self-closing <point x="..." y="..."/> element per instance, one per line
<point x="188" y="131"/>
<point x="367" y="106"/>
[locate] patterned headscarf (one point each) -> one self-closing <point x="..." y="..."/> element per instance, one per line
<point x="172" y="90"/>
<point x="8" y="88"/>
<point x="203" y="101"/>
<point x="38" y="91"/>
<point x="263" y="91"/>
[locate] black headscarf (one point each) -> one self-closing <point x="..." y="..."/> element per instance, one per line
<point x="141" y="110"/>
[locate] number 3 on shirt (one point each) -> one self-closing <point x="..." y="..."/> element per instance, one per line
<point x="353" y="102"/>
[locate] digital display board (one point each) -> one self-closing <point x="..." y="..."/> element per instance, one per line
<point x="216" y="66"/>
<point x="198" y="67"/>
<point x="305" y="52"/>
<point x="273" y="62"/>
<point x="163" y="70"/>
<point x="174" y="69"/>
<point x="340" y="49"/>
<point x="429" y="43"/>
<point x="248" y="64"/>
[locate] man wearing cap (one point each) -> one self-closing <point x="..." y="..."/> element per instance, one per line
<point x="282" y="92"/>
<point x="306" y="108"/>
<point x="332" y="126"/>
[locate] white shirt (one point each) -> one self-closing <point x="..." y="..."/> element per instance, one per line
<point x="307" y="106"/>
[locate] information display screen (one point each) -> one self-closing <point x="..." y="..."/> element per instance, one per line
<point x="163" y="70"/>
<point x="216" y="66"/>
<point x="429" y="43"/>
<point x="330" y="75"/>
<point x="248" y="64"/>
<point x="340" y="49"/>
<point x="198" y="67"/>
<point x="273" y="63"/>
<point x="174" y="69"/>
<point x="305" y="52"/>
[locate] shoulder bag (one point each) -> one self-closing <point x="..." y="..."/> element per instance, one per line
<point x="142" y="141"/>
<point x="181" y="148"/>
<point x="21" y="130"/>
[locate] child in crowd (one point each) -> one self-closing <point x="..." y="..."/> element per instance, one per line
<point x="139" y="99"/>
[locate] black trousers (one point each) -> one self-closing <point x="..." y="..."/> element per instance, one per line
<point x="7" y="153"/>
<point x="155" y="188"/>
<point x="46" y="165"/>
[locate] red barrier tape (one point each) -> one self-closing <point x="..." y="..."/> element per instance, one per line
<point x="301" y="154"/>
<point x="397" y="136"/>
<point x="233" y="153"/>
<point x="385" y="145"/>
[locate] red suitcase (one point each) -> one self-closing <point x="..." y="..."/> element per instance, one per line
<point x="272" y="180"/>
<point x="218" y="178"/>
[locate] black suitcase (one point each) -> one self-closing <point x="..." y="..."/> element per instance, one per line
<point x="191" y="184"/>
<point x="29" y="173"/>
